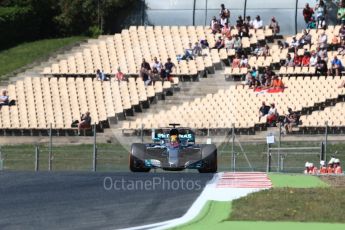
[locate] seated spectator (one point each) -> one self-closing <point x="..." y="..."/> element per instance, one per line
<point x="336" y="66"/>
<point x="305" y="39"/>
<point x="272" y="115"/>
<point x="223" y="21"/>
<point x="321" y="24"/>
<point x="322" y="53"/>
<point x="312" y="23"/>
<point x="263" y="111"/>
<point x="258" y="23"/>
<point x="239" y="22"/>
<point x="237" y="43"/>
<point x="101" y="76"/>
<point x="188" y="53"/>
<point x="313" y="59"/>
<point x="226" y="31"/>
<point x="289" y="60"/>
<point x="236" y="61"/>
<point x="204" y="44"/>
<point x="119" y="76"/>
<point x="266" y="51"/>
<point x="321" y="67"/>
<point x="277" y="83"/>
<point x="145" y="70"/>
<point x="341" y="14"/>
<point x="243" y="31"/>
<point x="294" y="45"/>
<point x="274" y="26"/>
<point x="322" y="40"/>
<point x="197" y="50"/>
<point x="266" y="77"/>
<point x="335" y="42"/>
<point x="215" y="25"/>
<point x="342" y="34"/>
<point x="85" y="122"/>
<point x="297" y="60"/>
<point x="168" y="69"/>
<point x="219" y="43"/>
<point x="4" y="99"/>
<point x="243" y="62"/>
<point x="229" y="43"/>
<point x="305" y="59"/>
<point x="290" y="120"/>
<point x="282" y="44"/>
<point x="157" y="64"/>
<point x="156" y="75"/>
<point x="248" y="22"/>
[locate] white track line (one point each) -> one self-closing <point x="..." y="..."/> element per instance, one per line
<point x="212" y="192"/>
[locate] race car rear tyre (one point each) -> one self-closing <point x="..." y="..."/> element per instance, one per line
<point x="136" y="158"/>
<point x="209" y="156"/>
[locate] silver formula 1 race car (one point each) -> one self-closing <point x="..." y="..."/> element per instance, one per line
<point x="173" y="149"/>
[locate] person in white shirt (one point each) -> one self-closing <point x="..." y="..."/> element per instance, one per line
<point x="258" y="23"/>
<point x="313" y="59"/>
<point x="322" y="41"/>
<point x="244" y="61"/>
<point x="157" y="64"/>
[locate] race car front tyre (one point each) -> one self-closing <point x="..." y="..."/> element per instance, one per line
<point x="209" y="156"/>
<point x="136" y="158"/>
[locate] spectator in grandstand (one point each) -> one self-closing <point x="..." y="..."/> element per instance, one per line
<point x="305" y="39"/>
<point x="223" y="21"/>
<point x="204" y="44"/>
<point x="321" y="67"/>
<point x="236" y="61"/>
<point x="239" y="22"/>
<point x="266" y="77"/>
<point x="237" y="43"/>
<point x="272" y="115"/>
<point x="313" y="59"/>
<point x="244" y="61"/>
<point x="188" y="53"/>
<point x="224" y="12"/>
<point x="4" y="99"/>
<point x="306" y="169"/>
<point x="320" y="10"/>
<point x="215" y="25"/>
<point x="119" y="76"/>
<point x="263" y="111"/>
<point x="342" y="34"/>
<point x="229" y="43"/>
<point x="289" y="60"/>
<point x="335" y="42"/>
<point x="266" y="51"/>
<point x="336" y="67"/>
<point x="294" y="45"/>
<point x="243" y="31"/>
<point x="197" y="50"/>
<point x="219" y="43"/>
<point x="145" y="70"/>
<point x="155" y="75"/>
<point x="157" y="64"/>
<point x="323" y="168"/>
<point x="330" y="166"/>
<point x="226" y="31"/>
<point x="312" y="23"/>
<point x="321" y="24"/>
<point x="341" y="14"/>
<point x="290" y="120"/>
<point x="258" y="23"/>
<point x="248" y="22"/>
<point x="168" y="69"/>
<point x="274" y="26"/>
<point x="297" y="60"/>
<point x="342" y="85"/>
<point x="312" y="169"/>
<point x="282" y="44"/>
<point x="101" y="76"/>
<point x="307" y="13"/>
<point x="337" y="167"/>
<point x="322" y="40"/>
<point x="306" y="59"/>
<point x="277" y="83"/>
<point x="85" y="122"/>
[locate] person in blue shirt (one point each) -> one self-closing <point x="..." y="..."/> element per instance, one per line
<point x="336" y="66"/>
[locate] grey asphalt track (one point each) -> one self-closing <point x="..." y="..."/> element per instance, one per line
<point x="94" y="200"/>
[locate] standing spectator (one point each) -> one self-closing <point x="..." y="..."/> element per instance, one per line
<point x="274" y="26"/>
<point x="145" y="72"/>
<point x="272" y="114"/>
<point x="226" y="31"/>
<point x="4" y="99"/>
<point x="119" y="76"/>
<point x="337" y="167"/>
<point x="313" y="59"/>
<point x="224" y="12"/>
<point x="321" y="67"/>
<point x="336" y="66"/>
<point x="307" y="13"/>
<point x="100" y="75"/>
<point x="341" y="14"/>
<point x="263" y="111"/>
<point x="320" y="10"/>
<point x="85" y="122"/>
<point x="215" y="25"/>
<point x="258" y="23"/>
<point x="168" y="69"/>
<point x="223" y="21"/>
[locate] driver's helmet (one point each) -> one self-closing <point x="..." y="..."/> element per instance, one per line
<point x="174" y="140"/>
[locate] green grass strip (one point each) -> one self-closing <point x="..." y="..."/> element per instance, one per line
<point x="26" y="53"/>
<point x="296" y="181"/>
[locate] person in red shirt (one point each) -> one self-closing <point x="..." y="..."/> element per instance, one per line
<point x="323" y="168"/>
<point x="306" y="59"/>
<point x="297" y="60"/>
<point x="307" y="13"/>
<point x="330" y="169"/>
<point x="337" y="167"/>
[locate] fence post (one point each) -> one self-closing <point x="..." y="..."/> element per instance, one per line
<point x="94" y="155"/>
<point x="279" y="145"/>
<point x="1" y="160"/>
<point x="233" y="148"/>
<point x="37" y="153"/>
<point x="326" y="139"/>
<point x="142" y="133"/>
<point x="50" y="147"/>
<point x="268" y="166"/>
